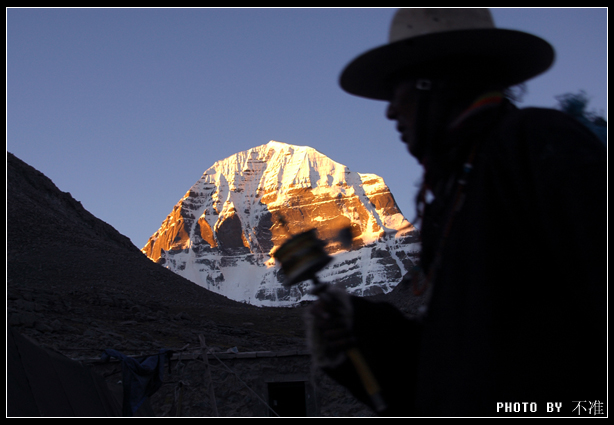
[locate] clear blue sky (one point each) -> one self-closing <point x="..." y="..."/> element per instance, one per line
<point x="126" y="108"/>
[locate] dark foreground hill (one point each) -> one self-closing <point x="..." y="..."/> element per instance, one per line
<point x="77" y="285"/>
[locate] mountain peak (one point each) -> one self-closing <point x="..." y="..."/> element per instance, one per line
<point x="233" y="214"/>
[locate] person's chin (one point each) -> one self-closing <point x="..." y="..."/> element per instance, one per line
<point x="415" y="151"/>
<point x="408" y="145"/>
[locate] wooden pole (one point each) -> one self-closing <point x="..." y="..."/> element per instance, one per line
<point x="212" y="402"/>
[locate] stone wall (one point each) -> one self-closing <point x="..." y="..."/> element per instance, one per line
<point x="244" y="385"/>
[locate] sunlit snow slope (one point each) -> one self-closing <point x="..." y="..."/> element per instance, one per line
<point x="222" y="233"/>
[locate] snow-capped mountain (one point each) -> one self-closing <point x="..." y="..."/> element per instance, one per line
<point x="223" y="232"/>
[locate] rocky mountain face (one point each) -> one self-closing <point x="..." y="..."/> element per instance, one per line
<point x="222" y="234"/>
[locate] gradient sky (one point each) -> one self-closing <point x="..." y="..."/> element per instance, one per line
<point x="126" y="108"/>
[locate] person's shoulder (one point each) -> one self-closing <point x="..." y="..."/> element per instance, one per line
<point x="545" y="119"/>
<point x="547" y="126"/>
<point x="537" y="117"/>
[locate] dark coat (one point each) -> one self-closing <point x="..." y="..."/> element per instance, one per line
<point x="518" y="306"/>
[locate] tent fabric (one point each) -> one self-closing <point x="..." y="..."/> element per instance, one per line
<point x="141" y="377"/>
<point x="45" y="383"/>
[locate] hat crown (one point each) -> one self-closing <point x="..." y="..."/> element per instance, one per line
<point x="447" y="42"/>
<point x="413" y="22"/>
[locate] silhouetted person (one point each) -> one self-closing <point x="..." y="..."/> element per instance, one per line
<point x="513" y="232"/>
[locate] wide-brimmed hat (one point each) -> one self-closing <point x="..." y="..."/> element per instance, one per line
<point x="450" y="42"/>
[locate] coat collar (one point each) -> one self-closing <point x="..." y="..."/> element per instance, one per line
<point x="486" y="101"/>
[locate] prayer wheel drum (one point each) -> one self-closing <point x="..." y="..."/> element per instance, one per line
<point x="301" y="257"/>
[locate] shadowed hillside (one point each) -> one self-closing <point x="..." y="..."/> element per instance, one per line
<point x="77" y="285"/>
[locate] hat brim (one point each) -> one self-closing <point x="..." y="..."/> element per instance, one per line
<point x="510" y="57"/>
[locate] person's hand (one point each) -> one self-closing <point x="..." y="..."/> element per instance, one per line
<point x="330" y="327"/>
